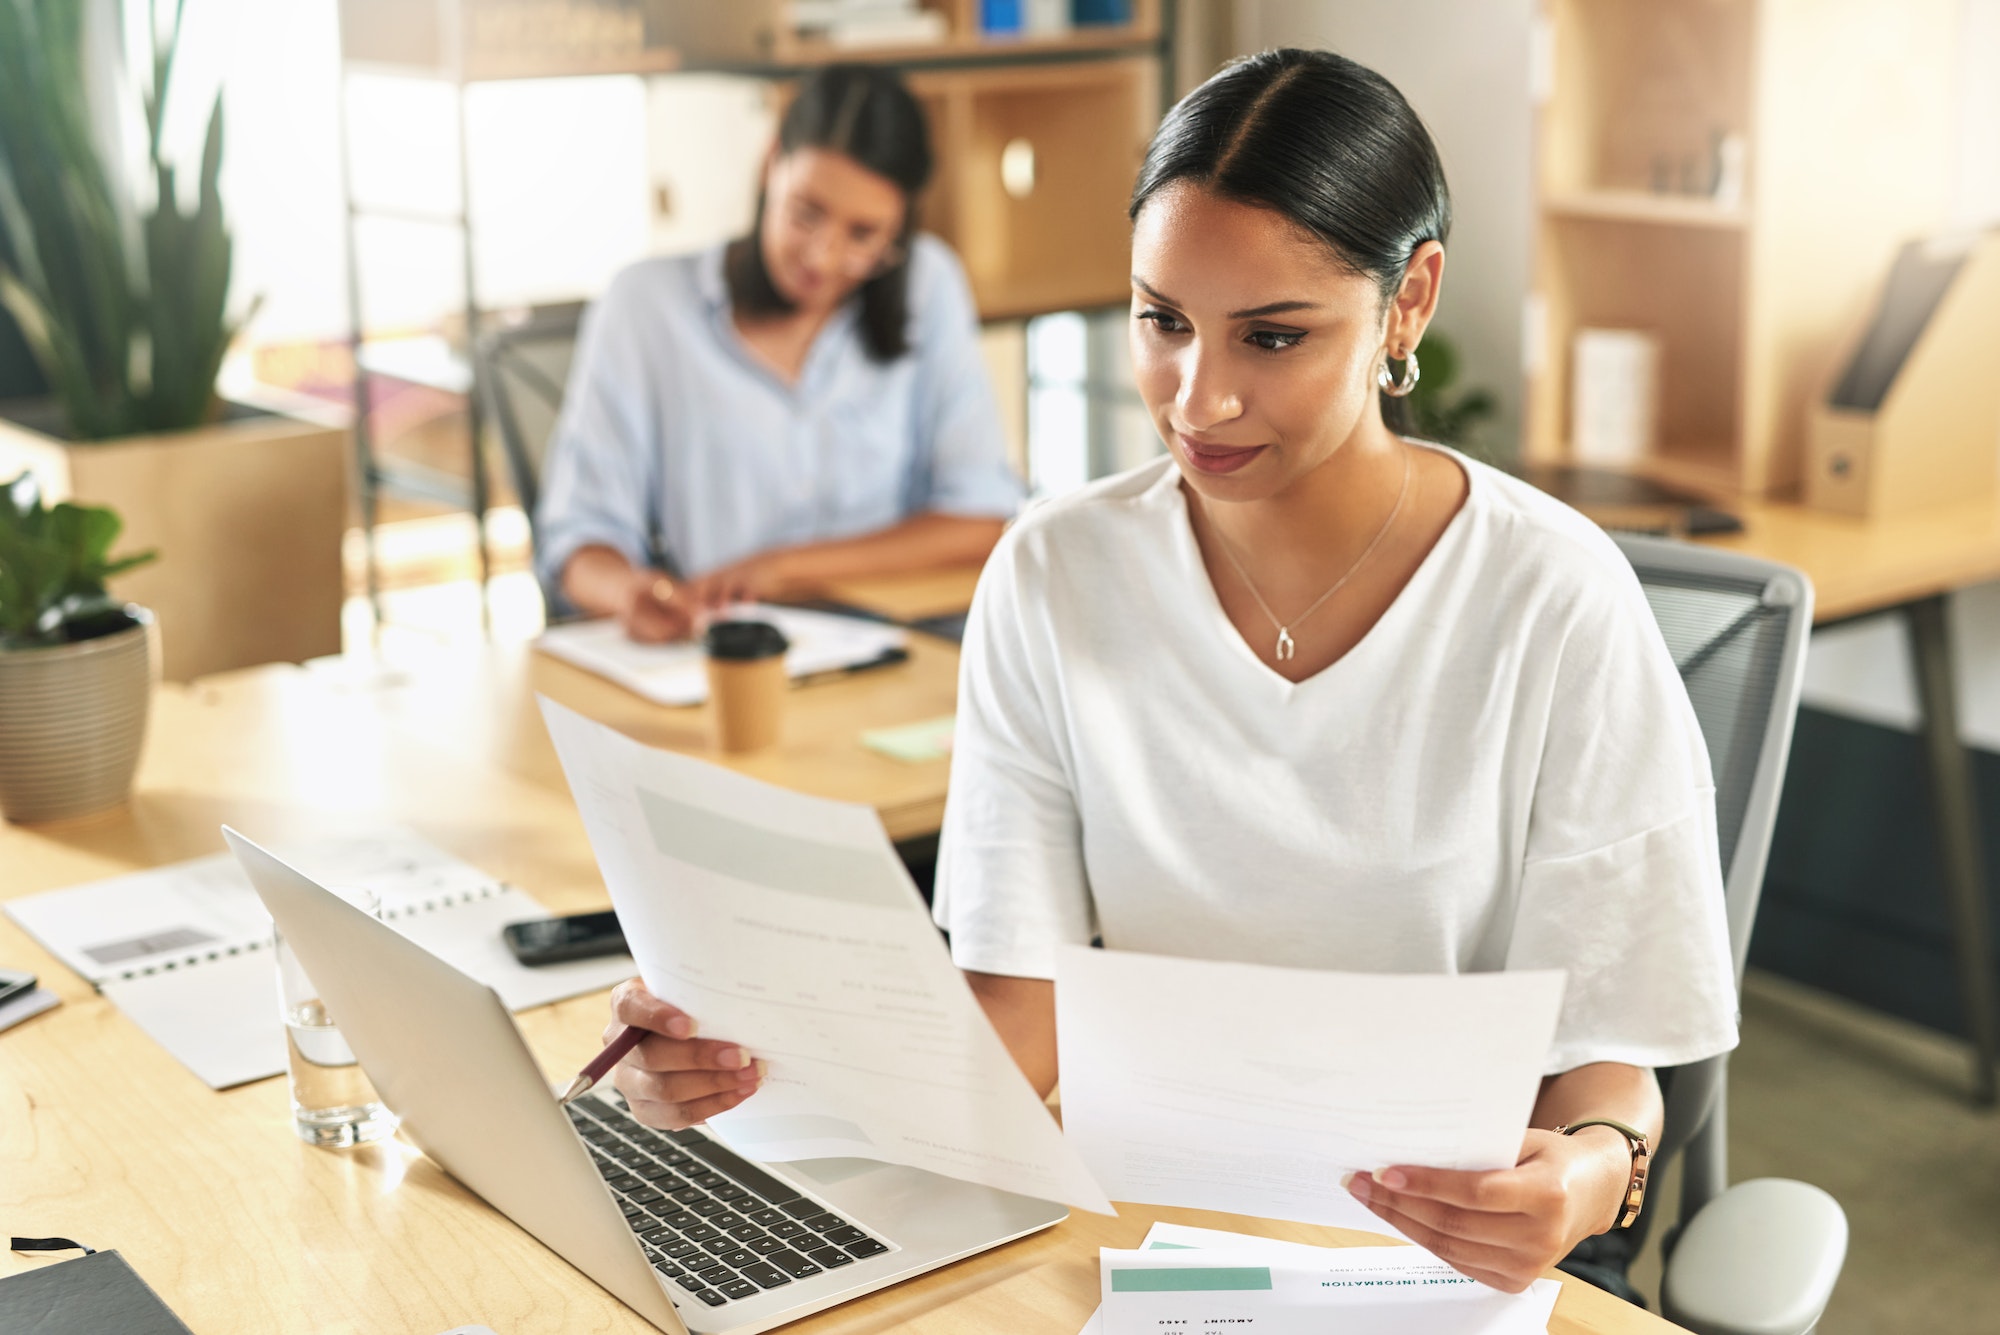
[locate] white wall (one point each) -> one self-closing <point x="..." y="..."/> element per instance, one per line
<point x="707" y="135"/>
<point x="1977" y="193"/>
<point x="1463" y="64"/>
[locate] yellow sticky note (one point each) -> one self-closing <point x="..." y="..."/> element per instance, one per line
<point x="929" y="740"/>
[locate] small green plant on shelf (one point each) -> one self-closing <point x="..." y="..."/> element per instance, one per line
<point x="54" y="561"/>
<point x="1439" y="412"/>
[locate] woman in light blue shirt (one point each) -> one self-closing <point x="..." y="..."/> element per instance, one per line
<point x="803" y="404"/>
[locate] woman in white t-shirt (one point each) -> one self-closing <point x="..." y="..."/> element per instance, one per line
<point x="1307" y="693"/>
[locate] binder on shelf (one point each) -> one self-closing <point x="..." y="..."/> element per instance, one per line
<point x="1912" y="416"/>
<point x="997" y="16"/>
<point x="1086" y="13"/>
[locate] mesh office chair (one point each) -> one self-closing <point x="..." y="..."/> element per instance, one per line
<point x="1759" y="1258"/>
<point x="523" y="367"/>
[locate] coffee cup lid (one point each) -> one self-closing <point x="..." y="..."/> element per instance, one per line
<point x="742" y="641"/>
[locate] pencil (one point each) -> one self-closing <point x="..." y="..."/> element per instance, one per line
<point x="603" y="1062"/>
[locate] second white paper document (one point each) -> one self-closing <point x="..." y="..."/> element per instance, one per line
<point x="1255" y="1089"/>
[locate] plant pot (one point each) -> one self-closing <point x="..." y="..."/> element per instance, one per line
<point x="247" y="513"/>
<point x="72" y="720"/>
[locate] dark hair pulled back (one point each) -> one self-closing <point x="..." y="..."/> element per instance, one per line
<point x="864" y="113"/>
<point x="1327" y="143"/>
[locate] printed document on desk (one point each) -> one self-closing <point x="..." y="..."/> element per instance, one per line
<point x="677" y="674"/>
<point x="1190" y="1280"/>
<point x="787" y="923"/>
<point x="1255" y="1089"/>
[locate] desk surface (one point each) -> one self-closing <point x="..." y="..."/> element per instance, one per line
<point x="1859" y="566"/>
<point x="479" y="705"/>
<point x="104" y="1138"/>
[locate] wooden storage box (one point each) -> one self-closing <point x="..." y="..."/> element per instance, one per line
<point x="1913" y="418"/>
<point x="247" y="515"/>
<point x="1036" y="166"/>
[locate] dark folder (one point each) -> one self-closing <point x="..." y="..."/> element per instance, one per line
<point x="92" y="1295"/>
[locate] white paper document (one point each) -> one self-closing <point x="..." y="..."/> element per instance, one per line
<point x="787" y="924"/>
<point x="184" y="951"/>
<point x="1255" y="1089"/>
<point x="677" y="674"/>
<point x="1227" y="1283"/>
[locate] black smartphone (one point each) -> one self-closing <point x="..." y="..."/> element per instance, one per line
<point x="13" y="982"/>
<point x="580" y="936"/>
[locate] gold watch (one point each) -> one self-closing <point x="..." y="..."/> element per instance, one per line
<point x="1642" y="1159"/>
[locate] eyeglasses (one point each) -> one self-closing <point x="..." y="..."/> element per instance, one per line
<point x="861" y="258"/>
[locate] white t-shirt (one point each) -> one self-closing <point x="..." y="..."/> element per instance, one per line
<point x="1505" y="773"/>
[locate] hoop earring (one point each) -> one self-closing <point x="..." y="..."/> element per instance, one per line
<point x="1398" y="389"/>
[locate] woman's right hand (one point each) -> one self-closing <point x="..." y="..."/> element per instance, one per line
<point x="654" y="610"/>
<point x="671" y="1078"/>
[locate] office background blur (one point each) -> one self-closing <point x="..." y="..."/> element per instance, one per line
<point x="1849" y="1072"/>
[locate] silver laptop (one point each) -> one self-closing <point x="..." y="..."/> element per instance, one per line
<point x="676" y="1226"/>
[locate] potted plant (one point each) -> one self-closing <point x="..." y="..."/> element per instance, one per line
<point x="121" y="292"/>
<point x="1439" y="412"/>
<point x="76" y="664"/>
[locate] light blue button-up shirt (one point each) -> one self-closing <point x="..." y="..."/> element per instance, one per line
<point x="673" y="432"/>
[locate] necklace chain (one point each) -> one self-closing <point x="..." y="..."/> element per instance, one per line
<point x="1286" y="647"/>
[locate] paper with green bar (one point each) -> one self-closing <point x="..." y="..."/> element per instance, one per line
<point x="1188" y="1279"/>
<point x="1195" y="1281"/>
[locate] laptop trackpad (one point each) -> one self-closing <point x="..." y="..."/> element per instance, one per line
<point x="828" y="1172"/>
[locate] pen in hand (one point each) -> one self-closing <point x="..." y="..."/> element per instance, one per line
<point x="613" y="1053"/>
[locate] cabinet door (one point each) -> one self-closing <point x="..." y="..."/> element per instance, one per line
<point x="1036" y="166"/>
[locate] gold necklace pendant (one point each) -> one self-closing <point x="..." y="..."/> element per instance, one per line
<point x="1286" y="649"/>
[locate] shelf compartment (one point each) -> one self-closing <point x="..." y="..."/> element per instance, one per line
<point x="965" y="41"/>
<point x="1640" y="89"/>
<point x="1643" y="206"/>
<point x="1683" y="285"/>
<point x="468" y="41"/>
<point x="1035" y="209"/>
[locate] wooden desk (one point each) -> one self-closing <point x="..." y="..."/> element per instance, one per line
<point x="1862" y="566"/>
<point x="480" y="705"/>
<point x="1909" y="564"/>
<point x="240" y="1226"/>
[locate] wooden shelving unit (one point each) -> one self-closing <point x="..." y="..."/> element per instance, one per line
<point x="1643" y="206"/>
<point x="1842" y="109"/>
<point x="1038" y="137"/>
<point x="459" y="40"/>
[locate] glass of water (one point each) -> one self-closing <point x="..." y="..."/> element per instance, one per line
<point x="333" y="1101"/>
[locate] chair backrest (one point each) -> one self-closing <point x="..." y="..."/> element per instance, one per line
<point x="523" y="368"/>
<point x="1737" y="628"/>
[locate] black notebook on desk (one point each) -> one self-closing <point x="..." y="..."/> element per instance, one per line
<point x="92" y="1295"/>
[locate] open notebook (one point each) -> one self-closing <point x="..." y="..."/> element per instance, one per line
<point x="677" y="674"/>
<point x="184" y="950"/>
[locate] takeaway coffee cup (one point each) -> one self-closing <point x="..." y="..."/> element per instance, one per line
<point x="746" y="682"/>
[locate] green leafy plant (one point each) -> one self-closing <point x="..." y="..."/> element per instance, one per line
<point x="120" y="294"/>
<point x="53" y="565"/>
<point x="1436" y="412"/>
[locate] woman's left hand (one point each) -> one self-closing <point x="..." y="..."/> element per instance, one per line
<point x="1505" y="1227"/>
<point x="749" y="580"/>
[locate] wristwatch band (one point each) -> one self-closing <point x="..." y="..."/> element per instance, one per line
<point x="1642" y="1159"/>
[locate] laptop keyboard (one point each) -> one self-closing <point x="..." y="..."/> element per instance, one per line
<point x="711" y="1221"/>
